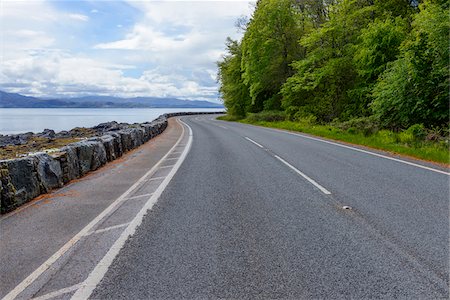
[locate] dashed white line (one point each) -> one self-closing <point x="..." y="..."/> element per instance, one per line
<point x="100" y="270"/>
<point x="259" y="145"/>
<point x="107" y="229"/>
<point x="324" y="190"/>
<point x="58" y="292"/>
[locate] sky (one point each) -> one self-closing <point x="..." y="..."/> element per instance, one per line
<point x="68" y="48"/>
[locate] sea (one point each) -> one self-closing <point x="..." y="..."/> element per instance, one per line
<point x="21" y="120"/>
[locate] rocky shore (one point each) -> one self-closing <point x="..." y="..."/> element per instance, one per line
<point x="24" y="178"/>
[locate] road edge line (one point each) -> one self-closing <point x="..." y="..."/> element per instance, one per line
<point x="75" y="239"/>
<point x="96" y="275"/>
<point x="324" y="140"/>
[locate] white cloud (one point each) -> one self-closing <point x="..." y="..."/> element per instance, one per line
<point x="78" y="17"/>
<point x="170" y="50"/>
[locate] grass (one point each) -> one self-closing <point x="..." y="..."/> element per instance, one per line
<point x="35" y="144"/>
<point x="383" y="140"/>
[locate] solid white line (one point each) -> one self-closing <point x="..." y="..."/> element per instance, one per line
<point x="42" y="268"/>
<point x="259" y="145"/>
<point x="58" y="292"/>
<point x="107" y="229"/>
<point x="139" y="196"/>
<point x="324" y="190"/>
<point x="364" y="151"/>
<point x="100" y="270"/>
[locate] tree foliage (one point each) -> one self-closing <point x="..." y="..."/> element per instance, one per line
<point x="342" y="59"/>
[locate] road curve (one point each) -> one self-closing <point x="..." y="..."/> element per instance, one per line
<point x="257" y="213"/>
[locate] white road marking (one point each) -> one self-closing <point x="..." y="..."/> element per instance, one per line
<point x="140" y="196"/>
<point x="58" y="292"/>
<point x="259" y="145"/>
<point x="156" y="178"/>
<point x="107" y="229"/>
<point x="324" y="190"/>
<point x="175" y="158"/>
<point x="100" y="270"/>
<point x="165" y="167"/>
<point x="49" y="262"/>
<point x="222" y="127"/>
<point x="364" y="151"/>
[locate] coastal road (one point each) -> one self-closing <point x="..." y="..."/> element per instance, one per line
<point x="255" y="213"/>
<point x="242" y="212"/>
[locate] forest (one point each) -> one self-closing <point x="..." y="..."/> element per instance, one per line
<point x="356" y="64"/>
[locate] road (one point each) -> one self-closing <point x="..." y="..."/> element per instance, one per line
<point x="255" y="213"/>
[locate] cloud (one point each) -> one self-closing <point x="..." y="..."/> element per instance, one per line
<point x="160" y="48"/>
<point x="78" y="17"/>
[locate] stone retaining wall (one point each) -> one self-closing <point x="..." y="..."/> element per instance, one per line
<point x="25" y="178"/>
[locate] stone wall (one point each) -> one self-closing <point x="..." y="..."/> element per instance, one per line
<point x="25" y="178"/>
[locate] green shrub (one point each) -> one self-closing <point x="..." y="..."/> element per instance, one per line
<point x="267" y="116"/>
<point x="307" y="120"/>
<point x="418" y="131"/>
<point x="352" y="130"/>
<point x="387" y="137"/>
<point x="406" y="137"/>
<point x="364" y="125"/>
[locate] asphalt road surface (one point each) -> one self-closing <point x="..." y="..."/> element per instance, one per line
<point x="233" y="211"/>
<point x="254" y="213"/>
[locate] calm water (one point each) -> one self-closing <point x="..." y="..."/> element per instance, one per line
<point x="19" y="120"/>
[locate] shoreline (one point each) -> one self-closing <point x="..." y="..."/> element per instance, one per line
<point x="24" y="178"/>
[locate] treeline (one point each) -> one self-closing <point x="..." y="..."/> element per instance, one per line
<point x="337" y="60"/>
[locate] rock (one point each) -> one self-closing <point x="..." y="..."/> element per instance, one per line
<point x="68" y="160"/>
<point x="15" y="139"/>
<point x="49" y="172"/>
<point x="108" y="143"/>
<point x="24" y="177"/>
<point x="63" y="134"/>
<point x="85" y="152"/>
<point x="7" y="190"/>
<point x="126" y="139"/>
<point x="47" y="133"/>
<point x="117" y="142"/>
<point x="109" y="126"/>
<point x="91" y="155"/>
<point x="99" y="155"/>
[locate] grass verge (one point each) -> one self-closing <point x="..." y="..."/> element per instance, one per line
<point x="382" y="140"/>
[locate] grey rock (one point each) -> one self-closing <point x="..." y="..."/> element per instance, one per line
<point x="47" y="133"/>
<point x="15" y="139"/>
<point x="108" y="143"/>
<point x="69" y="162"/>
<point x="49" y="172"/>
<point x="99" y="154"/>
<point x="7" y="190"/>
<point x="24" y="177"/>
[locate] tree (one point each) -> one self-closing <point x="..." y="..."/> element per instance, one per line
<point x="269" y="45"/>
<point x="323" y="78"/>
<point x="234" y="92"/>
<point x="415" y="88"/>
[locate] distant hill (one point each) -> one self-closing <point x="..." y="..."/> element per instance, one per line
<point x="11" y="100"/>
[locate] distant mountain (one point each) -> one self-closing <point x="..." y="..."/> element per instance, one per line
<point x="11" y="100"/>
